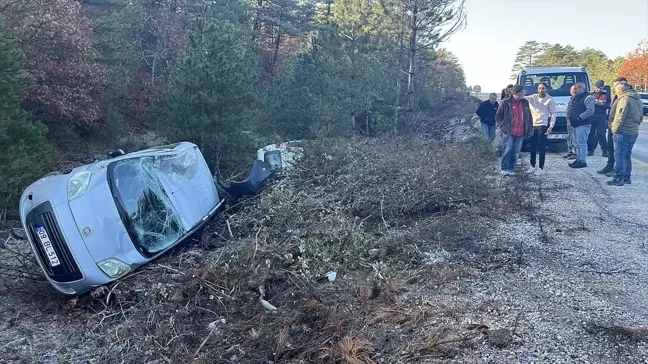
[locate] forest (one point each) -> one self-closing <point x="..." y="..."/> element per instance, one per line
<point x="229" y="75"/>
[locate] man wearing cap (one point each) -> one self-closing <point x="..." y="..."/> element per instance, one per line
<point x="597" y="131"/>
<point x="515" y="122"/>
<point x="579" y="114"/>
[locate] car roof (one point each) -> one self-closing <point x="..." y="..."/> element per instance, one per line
<point x="541" y="70"/>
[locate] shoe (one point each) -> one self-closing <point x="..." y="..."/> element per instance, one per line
<point x="615" y="182"/>
<point x="605" y="170"/>
<point x="589" y="154"/>
<point x="539" y="172"/>
<point x="610" y="174"/>
<point x="507" y="173"/>
<point x="627" y="181"/>
<point x="578" y="165"/>
<point x="605" y="154"/>
<point x="569" y="155"/>
<point x="572" y="157"/>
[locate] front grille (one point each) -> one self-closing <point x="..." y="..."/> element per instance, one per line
<point x="43" y="216"/>
<point x="561" y="125"/>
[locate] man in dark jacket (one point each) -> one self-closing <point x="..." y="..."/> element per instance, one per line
<point x="599" y="119"/>
<point x="609" y="168"/>
<point x="515" y="122"/>
<point x="579" y="114"/>
<point x="486" y="113"/>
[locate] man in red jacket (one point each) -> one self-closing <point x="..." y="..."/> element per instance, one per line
<point x="515" y="122"/>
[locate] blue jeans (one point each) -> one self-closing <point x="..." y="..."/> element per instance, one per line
<point x="581" y="133"/>
<point x="489" y="131"/>
<point x="512" y="147"/>
<point x="623" y="144"/>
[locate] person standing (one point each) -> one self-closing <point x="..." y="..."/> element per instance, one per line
<point x="486" y="113"/>
<point x="507" y="92"/>
<point x="599" y="119"/>
<point x="608" y="170"/>
<point x="579" y="114"/>
<point x="625" y="126"/>
<point x="543" y="110"/>
<point x="515" y="122"/>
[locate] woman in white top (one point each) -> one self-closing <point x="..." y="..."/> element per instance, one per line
<point x="543" y="110"/>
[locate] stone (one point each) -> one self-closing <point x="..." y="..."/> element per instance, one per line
<point x="500" y="338"/>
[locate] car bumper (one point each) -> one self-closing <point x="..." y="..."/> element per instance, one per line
<point x="87" y="274"/>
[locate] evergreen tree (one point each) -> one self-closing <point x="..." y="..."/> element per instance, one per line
<point x="24" y="156"/>
<point x="212" y="85"/>
<point x="527" y="56"/>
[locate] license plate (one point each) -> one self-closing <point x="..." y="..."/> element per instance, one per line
<point x="557" y="136"/>
<point x="45" y="241"/>
<point x="561" y="114"/>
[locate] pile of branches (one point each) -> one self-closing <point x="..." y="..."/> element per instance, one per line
<point x="299" y="273"/>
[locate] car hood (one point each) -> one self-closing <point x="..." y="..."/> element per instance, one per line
<point x="98" y="221"/>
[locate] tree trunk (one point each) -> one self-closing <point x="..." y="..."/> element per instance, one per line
<point x="257" y="21"/>
<point x="275" y="53"/>
<point x="411" y="69"/>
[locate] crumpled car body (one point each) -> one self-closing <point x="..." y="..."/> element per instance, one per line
<point x="282" y="156"/>
<point x="106" y="219"/>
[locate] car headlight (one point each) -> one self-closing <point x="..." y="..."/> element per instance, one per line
<point x="78" y="184"/>
<point x="113" y="268"/>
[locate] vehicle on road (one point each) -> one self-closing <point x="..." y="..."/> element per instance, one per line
<point x="644" y="99"/>
<point x="559" y="80"/>
<point x="103" y="220"/>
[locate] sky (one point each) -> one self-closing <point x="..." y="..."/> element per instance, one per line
<point x="497" y="28"/>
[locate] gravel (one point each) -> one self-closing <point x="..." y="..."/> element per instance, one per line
<point x="578" y="260"/>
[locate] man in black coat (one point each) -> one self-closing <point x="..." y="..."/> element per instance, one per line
<point x="486" y="113"/>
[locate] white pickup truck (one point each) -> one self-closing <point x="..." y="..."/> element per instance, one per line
<point x="559" y="80"/>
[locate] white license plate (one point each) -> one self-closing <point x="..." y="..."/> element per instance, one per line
<point x="50" y="253"/>
<point x="561" y="114"/>
<point x="557" y="136"/>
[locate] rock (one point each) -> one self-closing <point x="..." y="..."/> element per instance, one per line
<point x="19" y="233"/>
<point x="500" y="338"/>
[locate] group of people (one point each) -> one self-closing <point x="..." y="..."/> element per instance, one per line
<point x="520" y="117"/>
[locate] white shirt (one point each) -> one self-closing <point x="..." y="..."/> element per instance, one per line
<point x="543" y="110"/>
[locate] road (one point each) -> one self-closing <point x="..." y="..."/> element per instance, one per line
<point x="640" y="150"/>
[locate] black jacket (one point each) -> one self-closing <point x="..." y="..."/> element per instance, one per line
<point x="577" y="113"/>
<point x="486" y="112"/>
<point x="601" y="111"/>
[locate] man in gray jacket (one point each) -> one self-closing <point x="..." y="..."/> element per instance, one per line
<point x="579" y="114"/>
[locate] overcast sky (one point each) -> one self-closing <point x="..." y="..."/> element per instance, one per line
<point x="497" y="28"/>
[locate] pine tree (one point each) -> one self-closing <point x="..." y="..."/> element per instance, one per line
<point x="527" y="56"/>
<point x="212" y="85"/>
<point x="24" y="156"/>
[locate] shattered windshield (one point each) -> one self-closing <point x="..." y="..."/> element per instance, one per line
<point x="145" y="209"/>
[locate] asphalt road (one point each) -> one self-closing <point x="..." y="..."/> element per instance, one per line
<point x="640" y="150"/>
